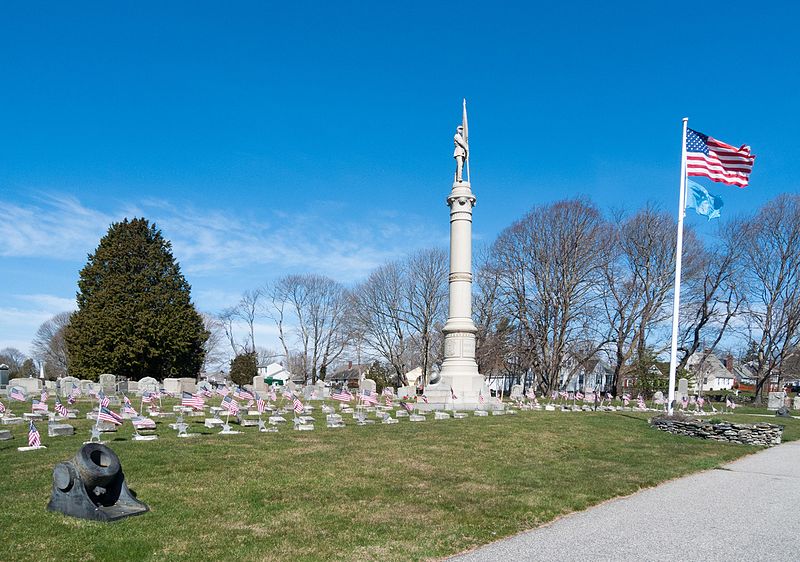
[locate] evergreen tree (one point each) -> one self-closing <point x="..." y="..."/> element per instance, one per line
<point x="244" y="367"/>
<point x="135" y="317"/>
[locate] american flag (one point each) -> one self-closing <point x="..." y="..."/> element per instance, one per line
<point x="408" y="407"/>
<point x="626" y="398"/>
<point x="369" y="397"/>
<point x="388" y="392"/>
<point x="481" y="399"/>
<point x="104" y="400"/>
<point x="231" y="405"/>
<point x="424" y="398"/>
<point x="297" y="406"/>
<point x="39" y="406"/>
<point x="107" y="415"/>
<point x="242" y="394"/>
<point x="684" y="401"/>
<point x="728" y="402"/>
<point x="144" y="423"/>
<point x="16" y="394"/>
<point x="206" y="393"/>
<point x="716" y="160"/>
<point x="190" y="400"/>
<point x="563" y="394"/>
<point x="453" y="394"/>
<point x="287" y="394"/>
<point x="272" y="395"/>
<point x="701" y="401"/>
<point x="261" y="405"/>
<point x="222" y="391"/>
<point x="640" y="402"/>
<point x="2" y="407"/>
<point x="34" y="440"/>
<point x="147" y="397"/>
<point x="343" y="395"/>
<point x="389" y="402"/>
<point x="579" y="395"/>
<point x="61" y="410"/>
<point x="44" y="396"/>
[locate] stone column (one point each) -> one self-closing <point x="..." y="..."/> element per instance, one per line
<point x="459" y="369"/>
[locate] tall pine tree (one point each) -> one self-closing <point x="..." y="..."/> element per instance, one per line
<point x="135" y="316"/>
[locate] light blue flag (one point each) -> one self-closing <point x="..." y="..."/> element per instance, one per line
<point x="699" y="199"/>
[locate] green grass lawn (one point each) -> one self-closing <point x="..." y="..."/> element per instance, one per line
<point x="407" y="491"/>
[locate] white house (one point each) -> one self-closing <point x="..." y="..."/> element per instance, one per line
<point x="595" y="374"/>
<point x="276" y="372"/>
<point x="709" y="372"/>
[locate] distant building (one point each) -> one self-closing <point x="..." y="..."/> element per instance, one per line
<point x="709" y="373"/>
<point x="275" y="373"/>
<point x="594" y="374"/>
<point x="350" y="374"/>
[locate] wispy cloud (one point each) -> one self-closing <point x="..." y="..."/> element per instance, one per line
<point x="210" y="242"/>
<point x="56" y="226"/>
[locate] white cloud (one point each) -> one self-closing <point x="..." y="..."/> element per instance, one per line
<point x="58" y="227"/>
<point x="209" y="242"/>
<point x="49" y="303"/>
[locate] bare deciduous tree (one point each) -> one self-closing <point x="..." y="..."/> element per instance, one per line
<point x="426" y="298"/>
<point x="50" y="347"/>
<point x="639" y="272"/>
<point x="216" y="357"/>
<point x="712" y="297"/>
<point x="318" y="308"/>
<point x="378" y="315"/>
<point x="771" y="273"/>
<point x="549" y="264"/>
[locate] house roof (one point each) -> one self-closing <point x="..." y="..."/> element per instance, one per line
<point x="347" y="373"/>
<point x="707" y="364"/>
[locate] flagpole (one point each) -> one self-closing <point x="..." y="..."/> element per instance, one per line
<point x="676" y="302"/>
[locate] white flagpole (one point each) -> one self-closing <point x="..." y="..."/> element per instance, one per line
<point x="676" y="303"/>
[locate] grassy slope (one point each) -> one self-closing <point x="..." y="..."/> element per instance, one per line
<point x="407" y="491"/>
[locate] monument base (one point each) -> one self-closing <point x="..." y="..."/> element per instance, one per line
<point x="468" y="390"/>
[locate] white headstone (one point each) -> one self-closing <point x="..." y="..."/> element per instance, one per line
<point x="516" y="392"/>
<point x="188" y="384"/>
<point x="776" y="400"/>
<point x="148" y="384"/>
<point x="405" y="392"/>
<point x="68" y="384"/>
<point x="172" y="385"/>
<point x="367" y="384"/>
<point x="258" y="383"/>
<point x="108" y="383"/>
<point x="32" y="387"/>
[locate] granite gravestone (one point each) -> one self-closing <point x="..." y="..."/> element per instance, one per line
<point x="776" y="400"/>
<point x="108" y="383"/>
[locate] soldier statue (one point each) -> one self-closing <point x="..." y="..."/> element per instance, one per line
<point x="461" y="152"/>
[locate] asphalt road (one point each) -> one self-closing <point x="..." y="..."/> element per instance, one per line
<point x="745" y="510"/>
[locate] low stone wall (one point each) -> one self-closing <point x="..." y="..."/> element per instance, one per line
<point x="763" y="434"/>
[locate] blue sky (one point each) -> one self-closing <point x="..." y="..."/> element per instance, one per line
<point x="265" y="139"/>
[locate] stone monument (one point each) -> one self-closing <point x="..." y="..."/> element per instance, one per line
<point x="460" y="383"/>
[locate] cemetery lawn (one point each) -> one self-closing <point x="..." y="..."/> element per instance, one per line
<point x="402" y="492"/>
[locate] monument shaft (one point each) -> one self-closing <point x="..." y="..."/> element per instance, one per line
<point x="459" y="346"/>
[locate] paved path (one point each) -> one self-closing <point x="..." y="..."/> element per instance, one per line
<point x="745" y="510"/>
